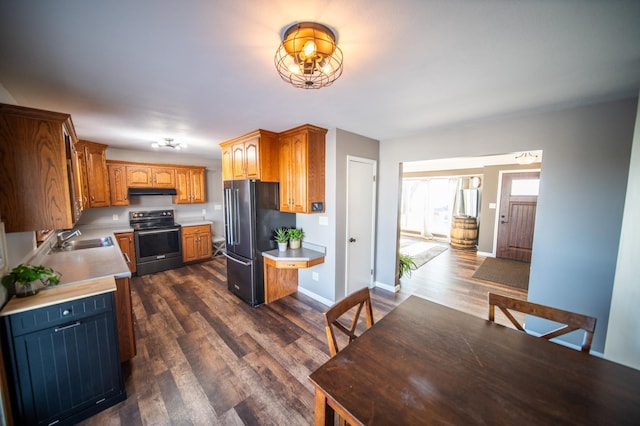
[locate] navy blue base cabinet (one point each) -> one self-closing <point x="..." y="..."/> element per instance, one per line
<point x="63" y="363"/>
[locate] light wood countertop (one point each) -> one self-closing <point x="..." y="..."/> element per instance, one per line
<point x="58" y="294"/>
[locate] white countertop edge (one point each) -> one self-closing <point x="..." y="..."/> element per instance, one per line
<point x="301" y="254"/>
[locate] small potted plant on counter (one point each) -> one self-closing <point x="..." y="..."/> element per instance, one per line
<point x="295" y="235"/>
<point x="23" y="277"/>
<point x="281" y="235"/>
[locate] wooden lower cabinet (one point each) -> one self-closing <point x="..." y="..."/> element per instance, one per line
<point x="128" y="249"/>
<point x="124" y="307"/>
<point x="196" y="242"/>
<point x="124" y="317"/>
<point x="63" y="361"/>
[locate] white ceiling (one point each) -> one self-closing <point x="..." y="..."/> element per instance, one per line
<point x="201" y="71"/>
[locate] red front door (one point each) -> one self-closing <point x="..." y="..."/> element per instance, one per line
<point x="518" y="201"/>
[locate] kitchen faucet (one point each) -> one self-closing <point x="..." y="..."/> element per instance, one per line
<point x="65" y="235"/>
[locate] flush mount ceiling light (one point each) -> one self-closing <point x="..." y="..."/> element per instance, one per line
<point x="169" y="143"/>
<point x="526" y="158"/>
<point x="309" y="57"/>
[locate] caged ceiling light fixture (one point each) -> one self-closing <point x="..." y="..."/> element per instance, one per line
<point x="308" y="56"/>
<point x="168" y="143"/>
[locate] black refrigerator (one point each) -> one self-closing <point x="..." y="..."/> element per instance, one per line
<point x="251" y="214"/>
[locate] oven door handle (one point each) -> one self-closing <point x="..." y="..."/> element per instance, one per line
<point x="157" y="231"/>
<point x="236" y="260"/>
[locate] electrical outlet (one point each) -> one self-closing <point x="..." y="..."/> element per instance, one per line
<point x="115" y="217"/>
<point x="217" y="206"/>
<point x="315" y="276"/>
<point x="204" y="211"/>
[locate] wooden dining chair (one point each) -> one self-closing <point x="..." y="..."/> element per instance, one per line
<point x="357" y="299"/>
<point x="571" y="321"/>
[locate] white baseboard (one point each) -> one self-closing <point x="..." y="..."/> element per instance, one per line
<point x="485" y="254"/>
<point x="565" y="343"/>
<point x="315" y="297"/>
<point x="387" y="287"/>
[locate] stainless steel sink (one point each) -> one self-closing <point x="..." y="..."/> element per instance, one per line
<point x="83" y="244"/>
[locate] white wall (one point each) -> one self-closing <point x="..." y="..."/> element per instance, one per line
<point x="583" y="186"/>
<point x="623" y="338"/>
<point x="331" y="285"/>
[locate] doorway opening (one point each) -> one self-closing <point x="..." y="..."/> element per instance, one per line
<point x="434" y="191"/>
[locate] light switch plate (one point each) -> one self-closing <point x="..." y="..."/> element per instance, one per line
<point x="492" y="205"/>
<point x="115" y="217"/>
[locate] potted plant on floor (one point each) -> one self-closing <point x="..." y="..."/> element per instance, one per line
<point x="295" y="235"/>
<point x="23" y="277"/>
<point x="405" y="265"/>
<point x="281" y="235"/>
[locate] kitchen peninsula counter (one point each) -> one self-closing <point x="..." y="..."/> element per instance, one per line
<point x="295" y="255"/>
<point x="281" y="270"/>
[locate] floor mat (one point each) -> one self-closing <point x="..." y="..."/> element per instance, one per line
<point x="504" y="271"/>
<point x="422" y="252"/>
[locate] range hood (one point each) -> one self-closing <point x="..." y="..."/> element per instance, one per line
<point x="152" y="191"/>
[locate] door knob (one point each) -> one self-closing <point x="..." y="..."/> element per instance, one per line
<point x="352" y="240"/>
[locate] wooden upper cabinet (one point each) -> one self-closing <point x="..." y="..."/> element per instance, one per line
<point x="150" y="176"/>
<point x="95" y="176"/>
<point x="38" y="189"/>
<point x="163" y="177"/>
<point x="118" y="184"/>
<point x="190" y="185"/>
<point x="302" y="169"/>
<point x="196" y="178"/>
<point x="227" y="162"/>
<point x="251" y="156"/>
<point x="139" y="176"/>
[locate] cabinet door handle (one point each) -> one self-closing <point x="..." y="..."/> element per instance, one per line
<point x="66" y="327"/>
<point x="126" y="256"/>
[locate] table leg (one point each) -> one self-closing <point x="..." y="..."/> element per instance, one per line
<point x="323" y="412"/>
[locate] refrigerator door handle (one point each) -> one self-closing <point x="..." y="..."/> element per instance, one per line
<point x="236" y="218"/>
<point x="236" y="260"/>
<point x="227" y="199"/>
<point x="231" y="215"/>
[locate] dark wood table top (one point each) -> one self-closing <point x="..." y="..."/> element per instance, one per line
<point x="424" y="363"/>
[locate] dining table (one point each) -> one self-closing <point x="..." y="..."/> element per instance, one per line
<point x="425" y="363"/>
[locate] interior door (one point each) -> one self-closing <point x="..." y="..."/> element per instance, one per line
<point x="518" y="203"/>
<point x="361" y="196"/>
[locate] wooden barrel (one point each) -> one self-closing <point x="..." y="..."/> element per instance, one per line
<point x="464" y="233"/>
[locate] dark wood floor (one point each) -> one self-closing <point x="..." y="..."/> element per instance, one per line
<point x="205" y="357"/>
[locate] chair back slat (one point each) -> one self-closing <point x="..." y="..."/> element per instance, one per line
<point x="359" y="299"/>
<point x="571" y="321"/>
